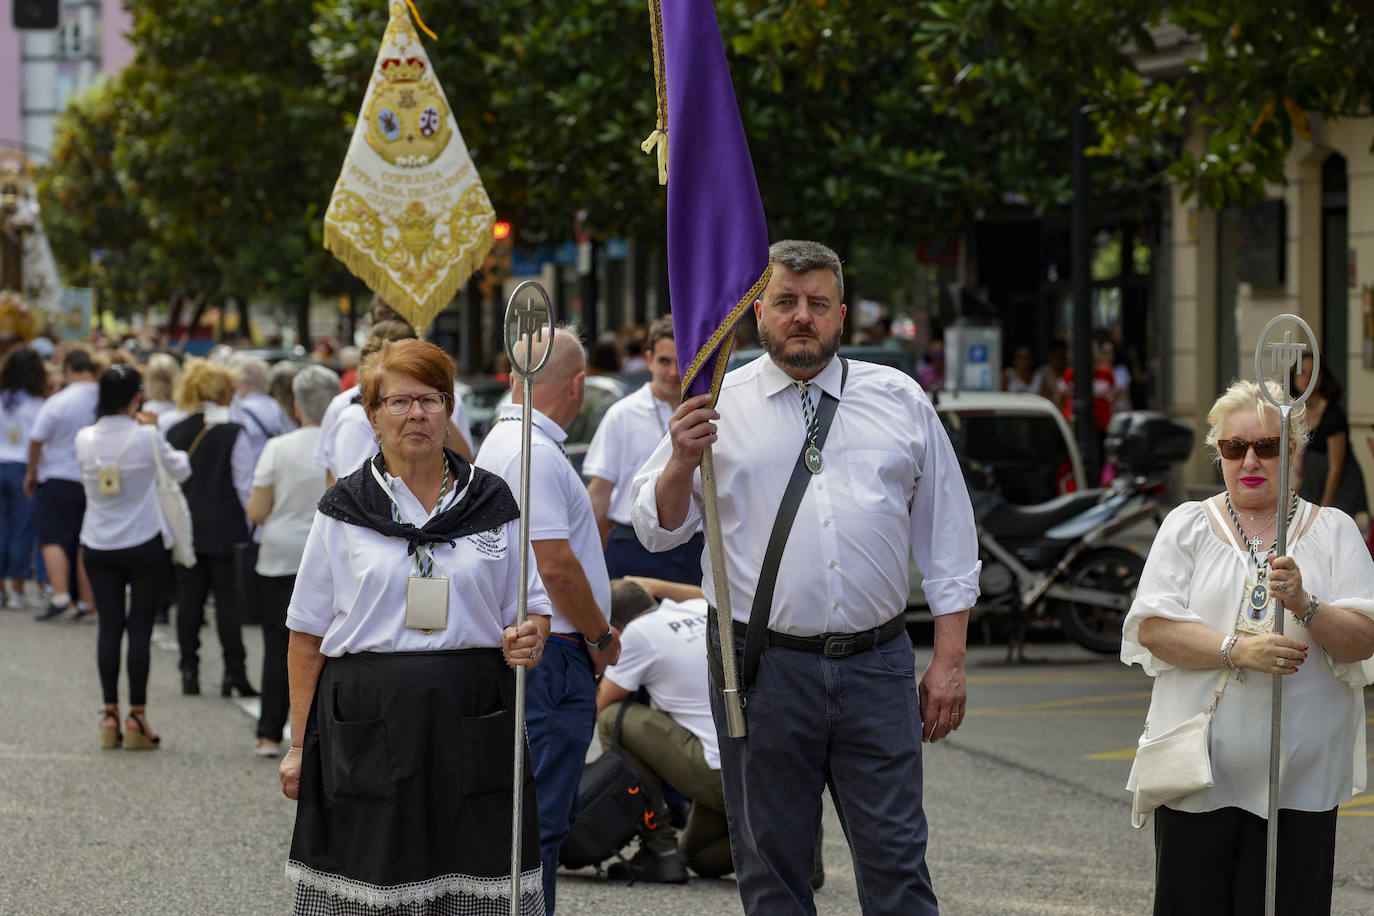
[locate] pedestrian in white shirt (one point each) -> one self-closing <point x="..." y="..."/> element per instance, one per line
<point x="286" y="487"/>
<point x="628" y="434"/>
<point x="837" y="702"/>
<point x="54" y="482"/>
<point x="125" y="539"/>
<point x="252" y="407"/>
<point x="663" y="651"/>
<point x="217" y="493"/>
<point x="23" y="388"/>
<point x="561" y="695"/>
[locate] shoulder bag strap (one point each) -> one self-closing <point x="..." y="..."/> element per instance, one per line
<point x="619" y="721"/>
<point x="757" y="633"/>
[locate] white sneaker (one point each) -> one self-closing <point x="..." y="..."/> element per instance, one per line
<point x="264" y="749"/>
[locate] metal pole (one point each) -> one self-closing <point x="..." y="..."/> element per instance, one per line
<point x="1080" y="246"/>
<point x="734" y="702"/>
<point x="528" y="327"/>
<point x="1283" y="357"/>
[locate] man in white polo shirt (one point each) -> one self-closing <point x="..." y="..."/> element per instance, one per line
<point x="53" y="480"/>
<point x="560" y="710"/>
<point x="625" y="437"/>
<point x="663" y="651"/>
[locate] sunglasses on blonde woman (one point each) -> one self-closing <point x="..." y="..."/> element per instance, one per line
<point x="1235" y="449"/>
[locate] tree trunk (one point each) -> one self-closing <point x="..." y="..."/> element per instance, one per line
<point x="303" y="322"/>
<point x="197" y="310"/>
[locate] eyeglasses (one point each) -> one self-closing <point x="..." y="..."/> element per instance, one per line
<point x="1237" y="448"/>
<point x="399" y="404"/>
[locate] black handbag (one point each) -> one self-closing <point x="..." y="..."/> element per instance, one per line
<point x="611" y="807"/>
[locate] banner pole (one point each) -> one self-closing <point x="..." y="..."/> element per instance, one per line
<point x="730" y="690"/>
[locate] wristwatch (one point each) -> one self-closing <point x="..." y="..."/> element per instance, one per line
<point x="601" y="643"/>
<point x="1312" y="605"/>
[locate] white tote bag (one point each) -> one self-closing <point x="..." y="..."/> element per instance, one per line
<point x="174" y="508"/>
<point x="1174" y="763"/>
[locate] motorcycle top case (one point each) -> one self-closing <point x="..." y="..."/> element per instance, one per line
<point x="1146" y="440"/>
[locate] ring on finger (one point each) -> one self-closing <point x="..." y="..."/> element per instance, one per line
<point x="1282" y="662"/>
<point x="1280" y="586"/>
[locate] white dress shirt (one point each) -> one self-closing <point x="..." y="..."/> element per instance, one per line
<point x="55" y="426"/>
<point x="890" y="491"/>
<point x="627" y="435"/>
<point x="351" y="588"/>
<point x="287" y="465"/>
<point x="665" y="652"/>
<point x="560" y="509"/>
<point x="133" y="515"/>
<point x="18" y="410"/>
<point x="1197" y="575"/>
<point x="324" y="455"/>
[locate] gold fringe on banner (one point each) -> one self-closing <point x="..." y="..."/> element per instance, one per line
<point x="658" y="140"/>
<point x="420" y="22"/>
<point x="723" y="340"/>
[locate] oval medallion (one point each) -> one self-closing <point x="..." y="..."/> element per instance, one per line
<point x="814" y="462"/>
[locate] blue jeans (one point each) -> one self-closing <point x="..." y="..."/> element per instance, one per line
<point x="853" y="724"/>
<point x="16" y="521"/>
<point x="625" y="556"/>
<point x="560" y="716"/>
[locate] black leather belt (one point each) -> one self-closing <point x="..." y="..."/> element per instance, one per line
<point x="833" y="645"/>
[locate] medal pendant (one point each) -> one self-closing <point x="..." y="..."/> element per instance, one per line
<point x="1256" y="615"/>
<point x="14" y="435"/>
<point x="814" y="462"/>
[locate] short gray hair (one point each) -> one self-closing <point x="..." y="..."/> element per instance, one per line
<point x="313" y="388"/>
<point x="251" y="370"/>
<point x="801" y="257"/>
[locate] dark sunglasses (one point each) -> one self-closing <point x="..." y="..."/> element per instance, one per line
<point x="1236" y="448"/>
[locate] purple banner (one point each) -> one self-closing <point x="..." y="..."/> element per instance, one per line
<point x="717" y="234"/>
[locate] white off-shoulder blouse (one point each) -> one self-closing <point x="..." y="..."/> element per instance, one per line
<point x="1192" y="574"/>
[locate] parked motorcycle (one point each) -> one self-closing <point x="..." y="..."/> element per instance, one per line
<point x="1053" y="558"/>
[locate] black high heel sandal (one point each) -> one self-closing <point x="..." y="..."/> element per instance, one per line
<point x="239" y="682"/>
<point x="139" y="739"/>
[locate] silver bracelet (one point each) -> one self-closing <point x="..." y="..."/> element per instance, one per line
<point x="1313" y="605"/>
<point x="1227" y="645"/>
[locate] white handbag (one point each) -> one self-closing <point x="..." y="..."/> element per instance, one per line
<point x="1174" y="763"/>
<point x="174" y="509"/>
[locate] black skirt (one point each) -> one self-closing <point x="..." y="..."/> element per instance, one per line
<point x="405" y="793"/>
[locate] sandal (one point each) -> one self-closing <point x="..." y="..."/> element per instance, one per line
<point x="109" y="730"/>
<point x="138" y="738"/>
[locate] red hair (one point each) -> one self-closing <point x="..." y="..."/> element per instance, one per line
<point x="419" y="359"/>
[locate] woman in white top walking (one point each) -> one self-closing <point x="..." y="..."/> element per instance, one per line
<point x="23" y="386"/>
<point x="286" y="487"/>
<point x="1204" y="603"/>
<point x="125" y="539"/>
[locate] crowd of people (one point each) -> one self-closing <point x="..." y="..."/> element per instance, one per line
<point x="380" y="553"/>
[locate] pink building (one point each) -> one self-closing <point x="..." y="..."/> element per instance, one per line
<point x="41" y="69"/>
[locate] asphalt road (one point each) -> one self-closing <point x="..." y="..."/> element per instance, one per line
<point x="1025" y="801"/>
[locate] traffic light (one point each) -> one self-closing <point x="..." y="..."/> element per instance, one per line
<point x="36" y="14"/>
<point x="496" y="267"/>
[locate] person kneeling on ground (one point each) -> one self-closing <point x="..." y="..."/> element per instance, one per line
<point x="662" y="650"/>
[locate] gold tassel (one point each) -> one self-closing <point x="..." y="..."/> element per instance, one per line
<point x="658" y="140"/>
<point x="420" y="22"/>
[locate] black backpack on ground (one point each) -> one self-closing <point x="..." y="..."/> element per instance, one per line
<point x="611" y="807"/>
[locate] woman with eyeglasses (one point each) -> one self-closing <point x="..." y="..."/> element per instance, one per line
<point x="125" y="539"/>
<point x="400" y="667"/>
<point x="1205" y="604"/>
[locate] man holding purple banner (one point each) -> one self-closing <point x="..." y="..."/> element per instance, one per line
<point x="831" y="696"/>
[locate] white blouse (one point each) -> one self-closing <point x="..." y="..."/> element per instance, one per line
<point x="1194" y="575"/>
<point x="351" y="587"/>
<point x="133" y="515"/>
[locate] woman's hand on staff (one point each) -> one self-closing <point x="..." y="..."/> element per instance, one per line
<point x="1269" y="654"/>
<point x="290" y="773"/>
<point x="524" y="647"/>
<point x="1285" y="579"/>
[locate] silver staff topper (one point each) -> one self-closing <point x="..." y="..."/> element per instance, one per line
<point x="526" y="322"/>
<point x="1284" y="355"/>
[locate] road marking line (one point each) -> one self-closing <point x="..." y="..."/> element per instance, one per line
<point x="1359" y="800"/>
<point x="1063" y="707"/>
<point x="1049" y="713"/>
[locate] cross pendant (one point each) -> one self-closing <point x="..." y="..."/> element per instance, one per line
<point x="1255" y="543"/>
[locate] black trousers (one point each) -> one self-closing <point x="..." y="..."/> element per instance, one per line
<point x="1213" y="864"/>
<point x="147" y="571"/>
<point x="274" y="594"/>
<point x="212" y="572"/>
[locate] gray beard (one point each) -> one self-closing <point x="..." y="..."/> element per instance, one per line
<point x="805" y="359"/>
